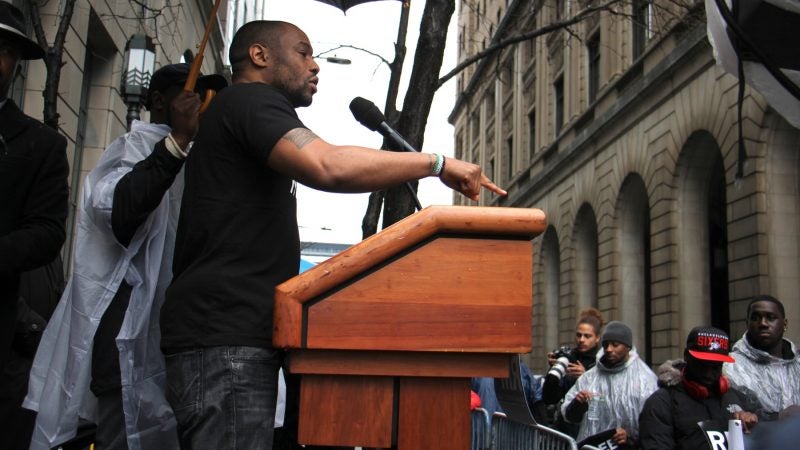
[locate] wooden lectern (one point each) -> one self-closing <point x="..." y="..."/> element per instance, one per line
<point x="387" y="334"/>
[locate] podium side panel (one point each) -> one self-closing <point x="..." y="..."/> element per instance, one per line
<point x="450" y="294"/>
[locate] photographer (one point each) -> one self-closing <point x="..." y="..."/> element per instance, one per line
<point x="567" y="364"/>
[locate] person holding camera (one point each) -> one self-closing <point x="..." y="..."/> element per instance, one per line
<point x="568" y="363"/>
<point x="612" y="393"/>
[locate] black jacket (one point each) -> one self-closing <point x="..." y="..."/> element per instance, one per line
<point x="33" y="212"/>
<point x="554" y="389"/>
<point x="669" y="417"/>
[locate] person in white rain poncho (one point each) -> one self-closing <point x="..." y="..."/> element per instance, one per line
<point x="105" y="329"/>
<point x="767" y="365"/>
<point x="611" y="394"/>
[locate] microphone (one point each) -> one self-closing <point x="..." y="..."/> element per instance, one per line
<point x="371" y="117"/>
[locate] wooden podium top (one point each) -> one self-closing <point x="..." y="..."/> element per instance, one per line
<point x="447" y="278"/>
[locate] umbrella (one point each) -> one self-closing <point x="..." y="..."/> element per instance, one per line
<point x="756" y="42"/>
<point x="344" y="5"/>
<point x="763" y="37"/>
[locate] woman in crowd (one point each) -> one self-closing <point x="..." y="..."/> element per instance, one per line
<point x="568" y="364"/>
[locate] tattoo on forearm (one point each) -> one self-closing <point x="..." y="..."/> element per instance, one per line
<point x="300" y="137"/>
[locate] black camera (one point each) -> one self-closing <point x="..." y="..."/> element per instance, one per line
<point x="563" y="356"/>
<point x="565" y="351"/>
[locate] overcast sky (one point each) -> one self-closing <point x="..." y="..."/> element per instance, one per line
<point x="325" y="217"/>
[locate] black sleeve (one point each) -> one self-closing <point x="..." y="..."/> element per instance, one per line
<point x="551" y="390"/>
<point x="655" y="423"/>
<point x="265" y="117"/>
<point x="539" y="411"/>
<point x="38" y="236"/>
<point x="140" y="191"/>
<point x="575" y="411"/>
<point x="749" y="402"/>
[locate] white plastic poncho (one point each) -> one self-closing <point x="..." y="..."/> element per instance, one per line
<point x="61" y="373"/>
<point x="775" y="382"/>
<point x="618" y="394"/>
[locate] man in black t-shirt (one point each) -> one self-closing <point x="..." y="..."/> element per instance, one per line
<point x="237" y="234"/>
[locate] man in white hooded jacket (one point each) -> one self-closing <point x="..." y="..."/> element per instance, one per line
<point x="767" y="364"/>
<point x="611" y="394"/>
<point x="104" y="335"/>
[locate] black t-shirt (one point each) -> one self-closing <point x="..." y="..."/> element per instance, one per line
<point x="237" y="232"/>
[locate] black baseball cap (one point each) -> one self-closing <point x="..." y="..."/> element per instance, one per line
<point x="12" y="29"/>
<point x="709" y="344"/>
<point x="176" y="75"/>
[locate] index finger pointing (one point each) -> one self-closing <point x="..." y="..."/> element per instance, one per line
<point x="487" y="184"/>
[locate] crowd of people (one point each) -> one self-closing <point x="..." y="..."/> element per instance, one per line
<point x="606" y="395"/>
<point x="163" y="335"/>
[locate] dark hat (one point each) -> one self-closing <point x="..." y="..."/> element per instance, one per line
<point x="618" y="332"/>
<point x="709" y="344"/>
<point x="176" y="75"/>
<point x="12" y="28"/>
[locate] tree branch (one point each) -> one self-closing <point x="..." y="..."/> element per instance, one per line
<point x="500" y="45"/>
<point x="383" y="60"/>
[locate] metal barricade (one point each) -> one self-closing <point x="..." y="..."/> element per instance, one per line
<point x="507" y="434"/>
<point x="481" y="429"/>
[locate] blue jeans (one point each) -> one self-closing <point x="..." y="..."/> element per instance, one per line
<point x="224" y="397"/>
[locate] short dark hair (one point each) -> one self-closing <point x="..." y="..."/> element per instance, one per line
<point x="265" y="32"/>
<point x="765" y="298"/>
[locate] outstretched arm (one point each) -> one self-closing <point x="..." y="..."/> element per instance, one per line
<point x="310" y="160"/>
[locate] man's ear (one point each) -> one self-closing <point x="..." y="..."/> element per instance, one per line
<point x="259" y="55"/>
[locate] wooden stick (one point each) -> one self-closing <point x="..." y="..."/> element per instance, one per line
<point x="194" y="72"/>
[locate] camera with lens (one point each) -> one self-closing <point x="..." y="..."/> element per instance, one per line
<point x="563" y="356"/>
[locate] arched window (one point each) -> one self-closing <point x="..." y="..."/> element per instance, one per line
<point x="702" y="234"/>
<point x="633" y="268"/>
<point x="551" y="286"/>
<point x="585" y="267"/>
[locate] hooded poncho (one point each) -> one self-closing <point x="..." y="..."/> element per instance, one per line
<point x="619" y="393"/>
<point x="775" y="382"/>
<point x="59" y="381"/>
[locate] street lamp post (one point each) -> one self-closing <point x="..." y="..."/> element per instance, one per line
<point x="138" y="67"/>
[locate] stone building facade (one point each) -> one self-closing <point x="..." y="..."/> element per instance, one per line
<point x="92" y="111"/>
<point x="623" y="130"/>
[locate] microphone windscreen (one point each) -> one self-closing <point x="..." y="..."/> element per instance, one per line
<point x="367" y="113"/>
